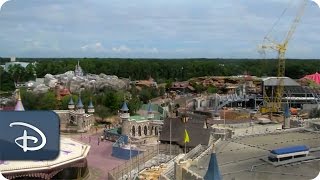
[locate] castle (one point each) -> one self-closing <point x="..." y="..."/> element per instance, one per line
<point x="76" y="119"/>
<point x="140" y="126"/>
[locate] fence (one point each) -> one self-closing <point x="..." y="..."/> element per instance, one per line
<point x="139" y="160"/>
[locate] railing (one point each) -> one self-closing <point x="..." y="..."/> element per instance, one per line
<point x="168" y="174"/>
<point x="139" y="161"/>
<point x="193" y="152"/>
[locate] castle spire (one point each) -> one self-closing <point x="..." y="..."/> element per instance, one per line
<point x="79" y="104"/>
<point x="19" y="105"/>
<point x="213" y="172"/>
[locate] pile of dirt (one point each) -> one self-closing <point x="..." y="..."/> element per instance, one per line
<point x="235" y="115"/>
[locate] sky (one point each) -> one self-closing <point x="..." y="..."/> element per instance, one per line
<point x="154" y="28"/>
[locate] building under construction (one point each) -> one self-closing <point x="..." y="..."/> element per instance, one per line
<point x="294" y="95"/>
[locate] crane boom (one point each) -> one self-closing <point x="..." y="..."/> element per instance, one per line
<point x="281" y="49"/>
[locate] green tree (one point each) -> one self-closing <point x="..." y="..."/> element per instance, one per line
<point x="134" y="105"/>
<point x="102" y="112"/>
<point x="30" y="72"/>
<point x="168" y="84"/>
<point x="113" y="100"/>
<point x="6" y="81"/>
<point x="47" y="101"/>
<point x="17" y="72"/>
<point x="145" y="95"/>
<point x="29" y="99"/>
<point x="212" y="89"/>
<point x="161" y="91"/>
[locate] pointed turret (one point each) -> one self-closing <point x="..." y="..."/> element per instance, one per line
<point x="79" y="104"/>
<point x="19" y="105"/>
<point x="124" y="112"/>
<point x="213" y="172"/>
<point x="71" y="103"/>
<point x="91" y="107"/>
<point x="124" y="107"/>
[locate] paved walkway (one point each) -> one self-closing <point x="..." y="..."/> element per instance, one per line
<point x="100" y="161"/>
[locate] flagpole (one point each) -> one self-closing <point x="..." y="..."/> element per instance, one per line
<point x="185" y="142"/>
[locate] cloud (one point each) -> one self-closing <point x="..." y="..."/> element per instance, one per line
<point x="121" y="49"/>
<point x="97" y="47"/>
<point x="126" y="49"/>
<point x="219" y="28"/>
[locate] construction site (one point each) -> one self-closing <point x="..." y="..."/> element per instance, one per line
<point x="232" y="135"/>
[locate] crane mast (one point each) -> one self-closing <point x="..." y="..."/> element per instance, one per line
<point x="275" y="105"/>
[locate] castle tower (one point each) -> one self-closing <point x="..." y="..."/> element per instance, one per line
<point x="71" y="104"/>
<point x="78" y="70"/>
<point x="124" y="112"/>
<point x="19" y="105"/>
<point x="125" y="115"/>
<point x="213" y="171"/>
<point x="150" y="112"/>
<point x="91" y="107"/>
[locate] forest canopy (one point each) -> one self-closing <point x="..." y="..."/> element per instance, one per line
<point x="163" y="70"/>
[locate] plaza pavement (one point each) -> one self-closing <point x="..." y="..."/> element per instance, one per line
<point x="100" y="161"/>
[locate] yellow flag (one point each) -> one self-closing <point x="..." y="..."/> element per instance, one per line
<point x="186" y="136"/>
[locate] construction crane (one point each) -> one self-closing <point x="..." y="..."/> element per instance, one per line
<point x="274" y="104"/>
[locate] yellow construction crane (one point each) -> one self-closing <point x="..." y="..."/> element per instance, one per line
<point x="274" y="104"/>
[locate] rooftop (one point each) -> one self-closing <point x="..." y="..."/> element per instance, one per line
<point x="240" y="158"/>
<point x="70" y="151"/>
<point x="274" y="81"/>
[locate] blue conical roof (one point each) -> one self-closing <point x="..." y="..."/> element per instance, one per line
<point x="213" y="172"/>
<point x="124" y="107"/>
<point x="79" y="105"/>
<point x="91" y="104"/>
<point x="71" y="101"/>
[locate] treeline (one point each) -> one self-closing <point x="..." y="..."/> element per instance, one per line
<point x="174" y="69"/>
<point x="163" y="70"/>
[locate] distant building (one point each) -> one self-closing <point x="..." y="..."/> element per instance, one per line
<point x="182" y="87"/>
<point x="14" y="62"/>
<point x="146" y="83"/>
<point x="78" y="70"/>
<point x="196" y="128"/>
